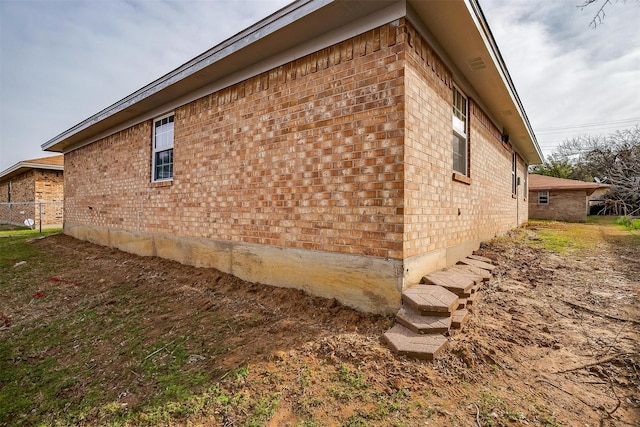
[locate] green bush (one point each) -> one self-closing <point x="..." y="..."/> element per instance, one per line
<point x="631" y="224"/>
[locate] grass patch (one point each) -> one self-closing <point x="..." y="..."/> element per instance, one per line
<point x="561" y="237"/>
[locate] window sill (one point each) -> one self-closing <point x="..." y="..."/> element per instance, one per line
<point x="159" y="184"/>
<point x="461" y="178"/>
<point x="514" y="196"/>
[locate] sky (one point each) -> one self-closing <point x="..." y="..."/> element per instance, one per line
<point x="61" y="61"/>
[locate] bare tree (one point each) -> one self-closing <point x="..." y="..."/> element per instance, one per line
<point x="613" y="159"/>
<point x="599" y="17"/>
<point x="600" y="14"/>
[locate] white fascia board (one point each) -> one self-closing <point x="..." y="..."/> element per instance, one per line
<point x="390" y="14"/>
<point x="22" y="167"/>
<point x="272" y="23"/>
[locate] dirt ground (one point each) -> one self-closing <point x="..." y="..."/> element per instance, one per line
<point x="553" y="341"/>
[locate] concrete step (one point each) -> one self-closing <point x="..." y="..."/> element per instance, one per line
<point x="420" y="346"/>
<point x="430" y="300"/>
<point x="451" y="280"/>
<point x="475" y="263"/>
<point x="423" y="324"/>
<point x="459" y="318"/>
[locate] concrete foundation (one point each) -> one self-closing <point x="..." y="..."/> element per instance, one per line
<point x="365" y="283"/>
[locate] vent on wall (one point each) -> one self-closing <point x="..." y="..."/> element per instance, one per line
<point x="477" y="64"/>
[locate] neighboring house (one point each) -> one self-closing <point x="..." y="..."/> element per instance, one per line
<point x="342" y="147"/>
<point x="561" y="199"/>
<point x="33" y="190"/>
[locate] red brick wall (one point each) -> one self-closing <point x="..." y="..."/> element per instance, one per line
<point x="308" y="155"/>
<point x="346" y="150"/>
<point x="34" y="186"/>
<point x="49" y="189"/>
<point x="564" y="205"/>
<point x="439" y="211"/>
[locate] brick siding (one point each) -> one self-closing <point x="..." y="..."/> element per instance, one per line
<point x="34" y="186"/>
<point x="346" y="151"/>
<point x="439" y="211"/>
<point x="564" y="205"/>
<point x="308" y="155"/>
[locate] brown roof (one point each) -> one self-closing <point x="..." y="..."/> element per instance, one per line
<point x="47" y="163"/>
<point x="51" y="160"/>
<point x="542" y="182"/>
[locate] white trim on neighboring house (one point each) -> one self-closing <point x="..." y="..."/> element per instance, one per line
<point x="24" y="166"/>
<point x="543" y="197"/>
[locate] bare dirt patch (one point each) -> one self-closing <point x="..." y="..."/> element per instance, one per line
<point x="553" y="341"/>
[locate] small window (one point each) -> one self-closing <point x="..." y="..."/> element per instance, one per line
<point x="163" y="148"/>
<point x="543" y="197"/>
<point x="460" y="129"/>
<point x="525" y="173"/>
<point x="514" y="173"/>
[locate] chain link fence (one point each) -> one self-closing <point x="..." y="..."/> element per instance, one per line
<point x="36" y="215"/>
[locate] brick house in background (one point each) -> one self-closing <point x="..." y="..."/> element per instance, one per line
<point x="341" y="147"/>
<point x="561" y="199"/>
<point x="33" y="189"/>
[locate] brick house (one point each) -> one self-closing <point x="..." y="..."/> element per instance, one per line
<point x="33" y="189"/>
<point x="342" y="147"/>
<point x="561" y="199"/>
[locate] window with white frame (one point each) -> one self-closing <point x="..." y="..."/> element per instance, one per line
<point x="460" y="130"/>
<point x="163" y="148"/>
<point x="543" y="197"/>
<point x="514" y="173"/>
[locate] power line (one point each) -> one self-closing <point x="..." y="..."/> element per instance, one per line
<point x="604" y="125"/>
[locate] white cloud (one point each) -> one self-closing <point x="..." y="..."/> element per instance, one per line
<point x="567" y="73"/>
<point x="61" y="62"/>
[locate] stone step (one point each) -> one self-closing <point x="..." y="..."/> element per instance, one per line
<point x="423" y="324"/>
<point x="481" y="258"/>
<point x="477" y="279"/>
<point x="430" y="300"/>
<point x="420" y="346"/>
<point x="469" y="301"/>
<point x="451" y="280"/>
<point x="486" y="276"/>
<point x="476" y="263"/>
<point x="459" y="318"/>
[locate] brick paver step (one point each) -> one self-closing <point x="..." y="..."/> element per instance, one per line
<point x="481" y="258"/>
<point x="477" y="279"/>
<point x="459" y="318"/>
<point x="469" y="301"/>
<point x="476" y="263"/>
<point x="419" y="346"/>
<point x="486" y="275"/>
<point x="453" y="281"/>
<point x="423" y="324"/>
<point x="430" y="300"/>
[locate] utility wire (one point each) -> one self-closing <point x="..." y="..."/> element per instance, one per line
<point x="605" y="124"/>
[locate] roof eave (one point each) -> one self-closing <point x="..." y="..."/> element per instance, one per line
<point x="22" y="167"/>
<point x="478" y="66"/>
<point x="309" y="19"/>
<point x="274" y="34"/>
